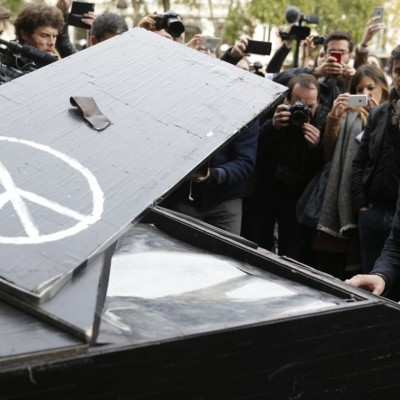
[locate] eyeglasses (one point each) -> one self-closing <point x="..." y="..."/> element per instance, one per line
<point x="338" y="51"/>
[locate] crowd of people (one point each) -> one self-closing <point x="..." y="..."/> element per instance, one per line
<point x="316" y="179"/>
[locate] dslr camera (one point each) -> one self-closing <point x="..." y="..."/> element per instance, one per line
<point x="299" y="113"/>
<point x="171" y="23"/>
<point x="296" y="32"/>
<point x="319" y="40"/>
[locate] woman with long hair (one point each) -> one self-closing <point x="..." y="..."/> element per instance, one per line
<point x="337" y="233"/>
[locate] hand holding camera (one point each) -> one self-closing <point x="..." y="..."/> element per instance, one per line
<point x="239" y="49"/>
<point x="311" y="134"/>
<point x="148" y="22"/>
<point x="281" y="117"/>
<point x="300" y="113"/>
<point x="295" y="114"/>
<point x="169" y="21"/>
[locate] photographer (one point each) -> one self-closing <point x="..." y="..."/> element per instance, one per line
<point x="168" y="24"/>
<point x="289" y="155"/>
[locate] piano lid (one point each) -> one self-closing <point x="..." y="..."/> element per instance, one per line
<point x="68" y="190"/>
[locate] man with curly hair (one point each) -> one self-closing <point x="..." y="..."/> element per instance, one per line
<point x="38" y="25"/>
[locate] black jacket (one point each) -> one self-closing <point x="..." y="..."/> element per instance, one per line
<point x="368" y="156"/>
<point x="230" y="167"/>
<point x="388" y="264"/>
<point x="285" y="160"/>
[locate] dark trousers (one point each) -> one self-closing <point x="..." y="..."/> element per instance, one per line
<point x="260" y="215"/>
<point x="227" y="215"/>
<point x="374" y="225"/>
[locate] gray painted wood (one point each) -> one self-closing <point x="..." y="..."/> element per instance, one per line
<point x="170" y="107"/>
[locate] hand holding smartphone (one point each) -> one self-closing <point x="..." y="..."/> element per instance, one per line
<point x="258" y="47"/>
<point x="210" y="43"/>
<point x="337" y="55"/>
<point x="77" y="10"/>
<point x="357" y="100"/>
<point x="378" y="12"/>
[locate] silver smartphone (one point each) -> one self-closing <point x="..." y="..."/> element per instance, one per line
<point x="210" y="42"/>
<point x="357" y="100"/>
<point x="378" y="12"/>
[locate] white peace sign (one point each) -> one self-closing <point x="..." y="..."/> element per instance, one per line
<point x="17" y="197"/>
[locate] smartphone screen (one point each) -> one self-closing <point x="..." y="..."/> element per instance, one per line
<point x="337" y="55"/>
<point x="258" y="47"/>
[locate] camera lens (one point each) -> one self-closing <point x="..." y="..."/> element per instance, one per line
<point x="175" y="27"/>
<point x="299" y="113"/>
<point x="298" y="118"/>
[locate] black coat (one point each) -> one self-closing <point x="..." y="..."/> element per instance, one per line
<point x="285" y="160"/>
<point x="388" y="264"/>
<point x="368" y="157"/>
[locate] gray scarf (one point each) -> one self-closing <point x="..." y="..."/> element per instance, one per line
<point x="337" y="215"/>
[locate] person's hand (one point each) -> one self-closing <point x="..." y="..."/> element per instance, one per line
<point x="348" y="72"/>
<point x="340" y="105"/>
<point x="372" y="28"/>
<point x="281" y="116"/>
<point x="287" y="42"/>
<point x="89" y="18"/>
<point x="238" y="50"/>
<point x="372" y="102"/>
<point x="308" y="50"/>
<point x="311" y="134"/>
<point x="148" y="22"/>
<point x="196" y="42"/>
<point x="199" y="179"/>
<point x="309" y="46"/>
<point x="64" y="5"/>
<point x="372" y="283"/>
<point x="329" y="67"/>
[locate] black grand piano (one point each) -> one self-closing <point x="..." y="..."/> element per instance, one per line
<point x="104" y="294"/>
